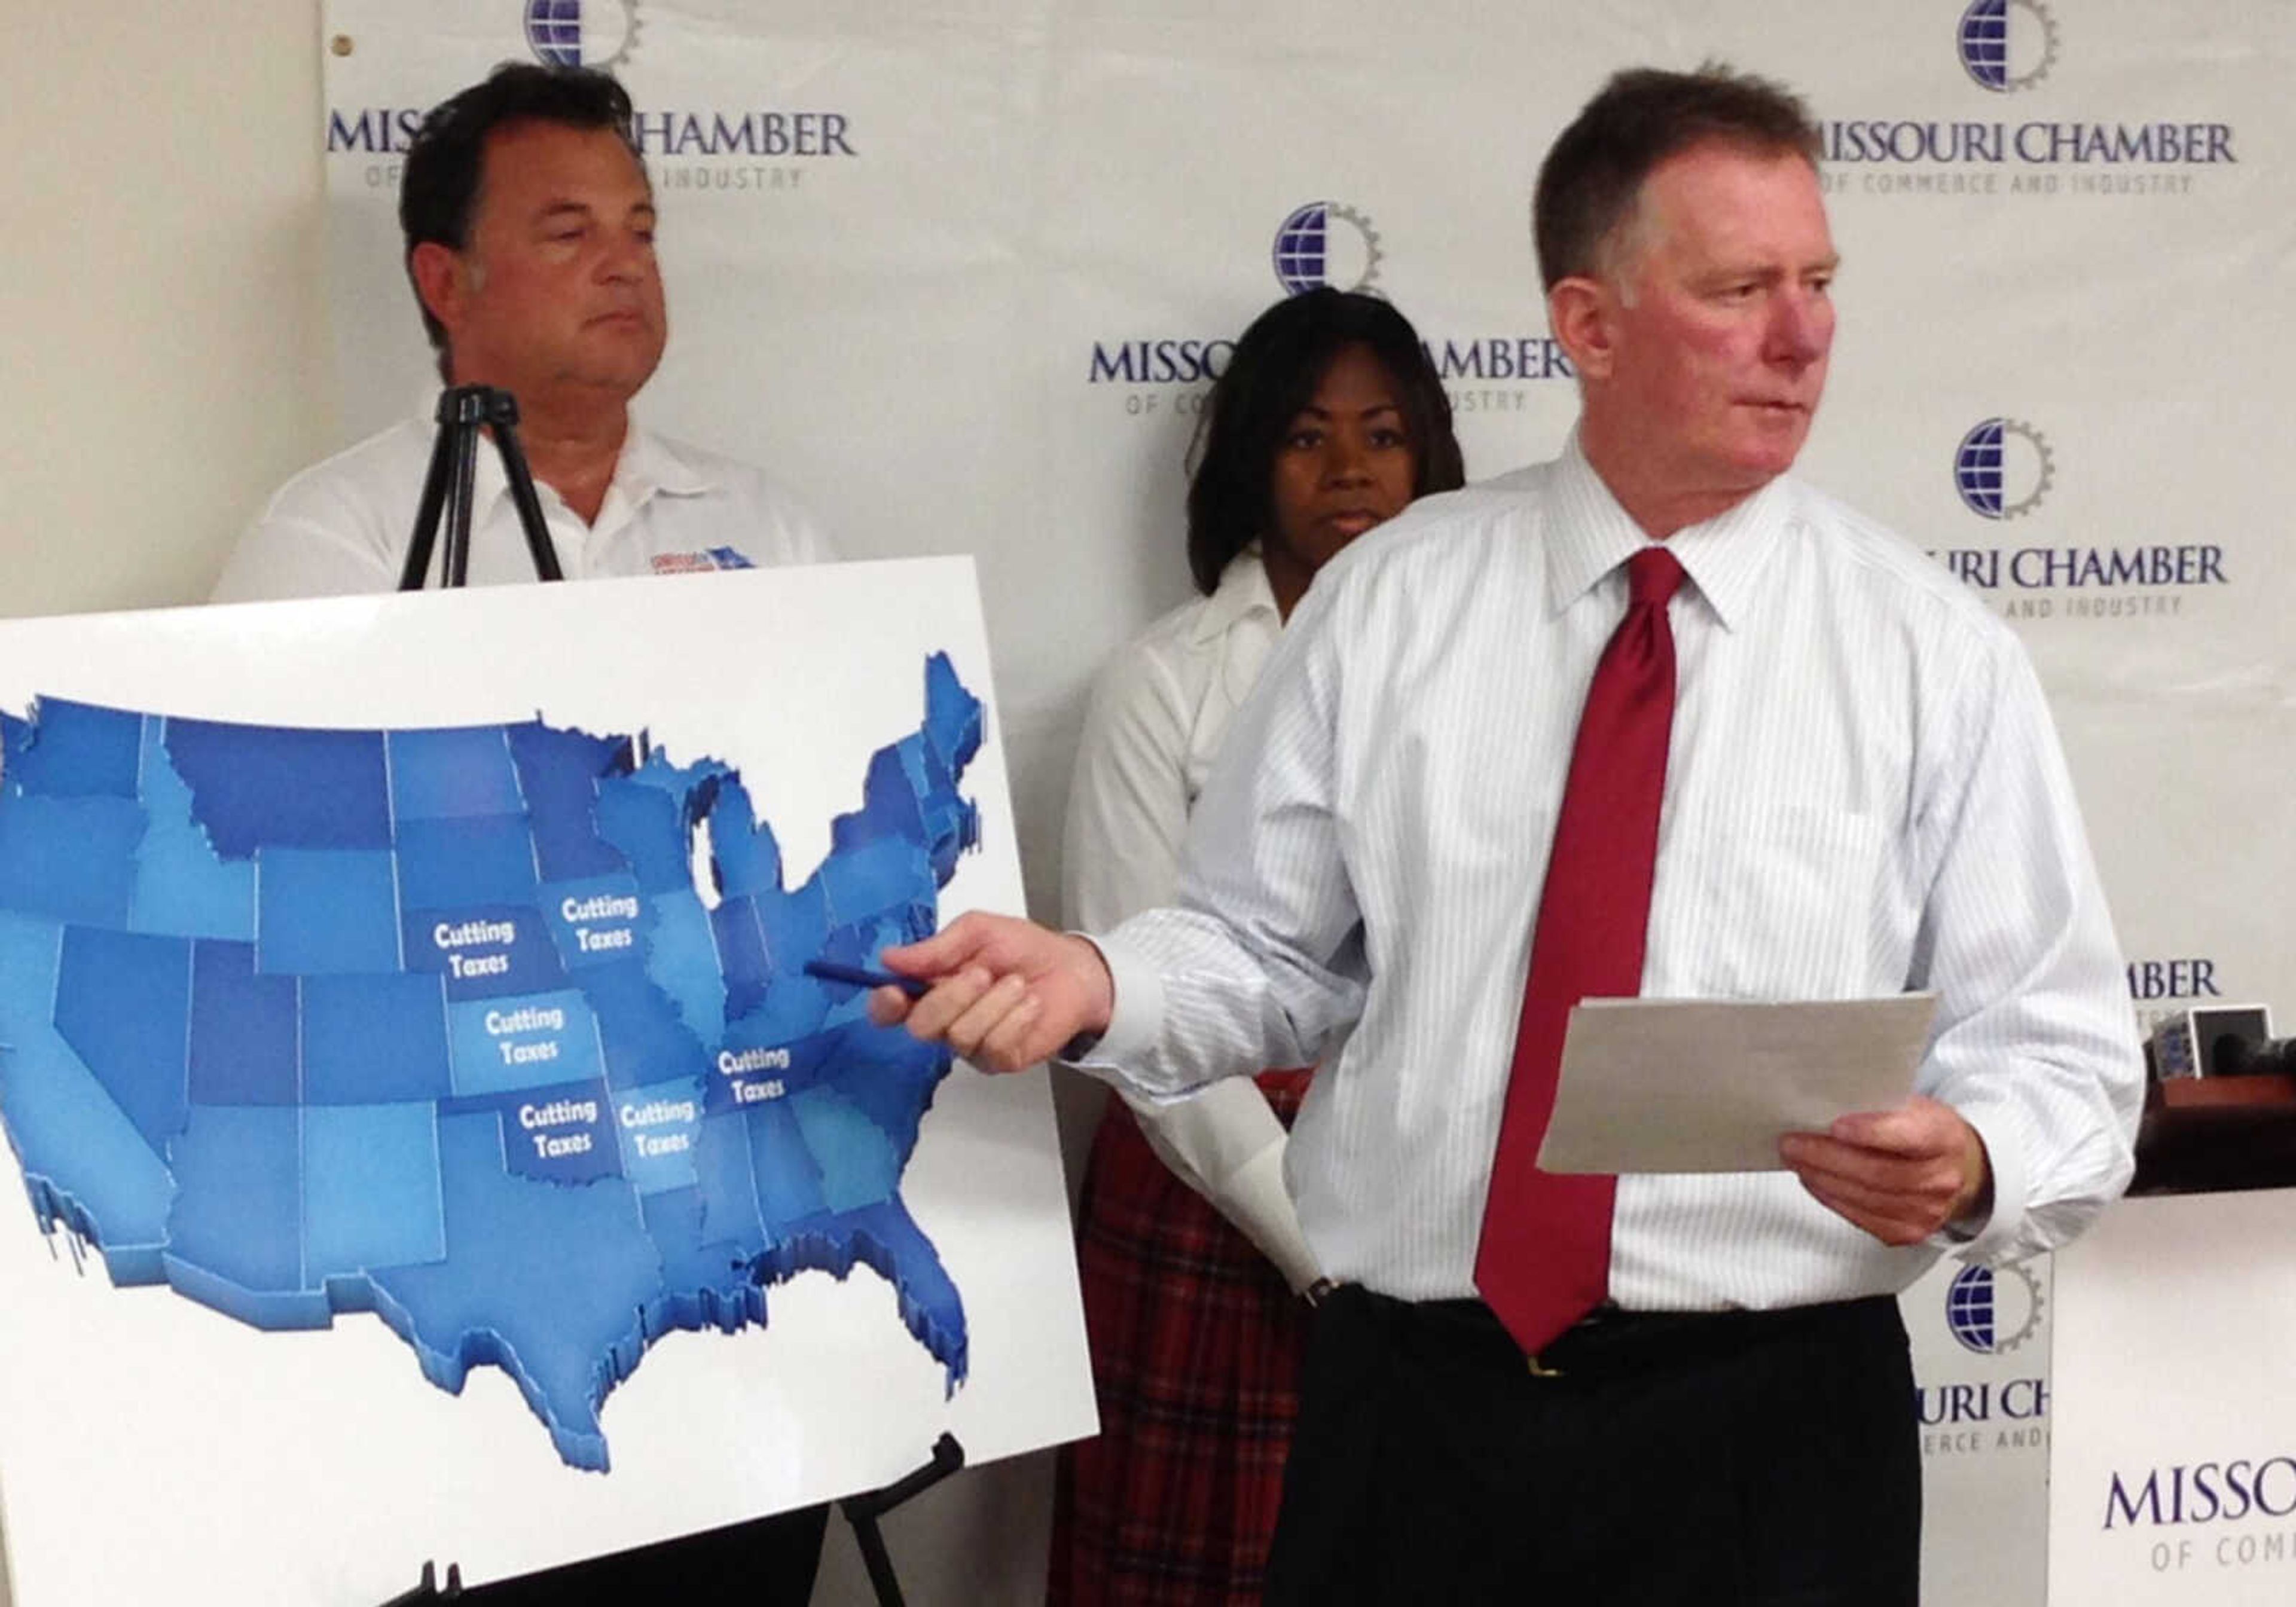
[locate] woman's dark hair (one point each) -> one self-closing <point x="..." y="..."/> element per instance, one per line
<point x="1273" y="374"/>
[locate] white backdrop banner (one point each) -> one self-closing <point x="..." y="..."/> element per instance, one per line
<point x="960" y="277"/>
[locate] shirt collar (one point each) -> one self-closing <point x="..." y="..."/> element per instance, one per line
<point x="1591" y="534"/>
<point x="1244" y="591"/>
<point x="647" y="464"/>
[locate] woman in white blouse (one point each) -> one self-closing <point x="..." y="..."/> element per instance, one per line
<point x="1327" y="420"/>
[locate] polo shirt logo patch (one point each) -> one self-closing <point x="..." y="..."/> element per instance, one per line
<point x="695" y="563"/>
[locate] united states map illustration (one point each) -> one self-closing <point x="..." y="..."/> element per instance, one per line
<point x="501" y="1033"/>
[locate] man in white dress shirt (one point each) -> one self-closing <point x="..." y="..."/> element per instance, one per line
<point x="529" y="230"/>
<point x="1864" y="795"/>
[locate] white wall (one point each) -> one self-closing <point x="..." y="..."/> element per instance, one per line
<point x="166" y="357"/>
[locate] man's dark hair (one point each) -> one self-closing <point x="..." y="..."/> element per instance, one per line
<point x="1588" y="184"/>
<point x="1274" y="372"/>
<point x="446" y="158"/>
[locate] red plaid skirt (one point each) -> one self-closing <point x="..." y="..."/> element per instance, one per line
<point x="1195" y="1359"/>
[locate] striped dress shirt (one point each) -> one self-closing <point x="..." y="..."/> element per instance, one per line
<point x="1865" y="796"/>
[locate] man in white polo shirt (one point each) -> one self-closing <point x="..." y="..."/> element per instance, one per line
<point x="530" y="226"/>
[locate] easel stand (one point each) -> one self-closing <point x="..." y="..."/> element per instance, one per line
<point x="863" y="1510"/>
<point x="428" y="1590"/>
<point x="463" y="412"/>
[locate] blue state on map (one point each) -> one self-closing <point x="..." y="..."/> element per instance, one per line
<point x="501" y="1033"/>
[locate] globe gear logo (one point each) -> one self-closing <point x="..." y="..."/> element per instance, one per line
<point x="581" y="33"/>
<point x="2003" y="469"/>
<point x="1326" y="243"/>
<point x="1993" y="1310"/>
<point x="1998" y="52"/>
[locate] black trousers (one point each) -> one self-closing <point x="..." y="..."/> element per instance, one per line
<point x="767" y="1563"/>
<point x="1740" y="1459"/>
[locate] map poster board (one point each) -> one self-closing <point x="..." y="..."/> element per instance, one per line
<point x="2172" y="1470"/>
<point x="424" y="1140"/>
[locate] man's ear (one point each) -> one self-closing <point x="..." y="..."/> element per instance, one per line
<point x="1580" y="314"/>
<point x="442" y="279"/>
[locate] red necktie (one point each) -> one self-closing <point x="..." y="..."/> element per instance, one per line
<point x="1544" y="1257"/>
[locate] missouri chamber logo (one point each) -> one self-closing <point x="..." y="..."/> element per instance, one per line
<point x="2005" y="469"/>
<point x="580" y="33"/>
<point x="1990" y="1312"/>
<point x="1953" y="147"/>
<point x="1326" y="243"/>
<point x="2007" y="45"/>
<point x="1319" y="244"/>
<point x="730" y="144"/>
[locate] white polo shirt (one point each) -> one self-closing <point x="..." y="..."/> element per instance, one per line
<point x="342" y="526"/>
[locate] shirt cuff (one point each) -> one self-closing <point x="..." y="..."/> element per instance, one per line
<point x="2006" y="1160"/>
<point x="1136" y="1012"/>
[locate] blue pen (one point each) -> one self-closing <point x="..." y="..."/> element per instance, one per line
<point x="861" y="976"/>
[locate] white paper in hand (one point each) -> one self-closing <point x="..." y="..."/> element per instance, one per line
<point x="1710" y="1084"/>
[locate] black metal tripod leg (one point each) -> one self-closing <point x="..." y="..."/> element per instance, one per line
<point x="446" y="488"/>
<point x="502" y="413"/>
<point x="458" y="504"/>
<point x="423" y="539"/>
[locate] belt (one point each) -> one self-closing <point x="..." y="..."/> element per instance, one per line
<point x="1609" y="1342"/>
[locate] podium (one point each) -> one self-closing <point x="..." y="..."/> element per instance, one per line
<point x="2172" y="1472"/>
